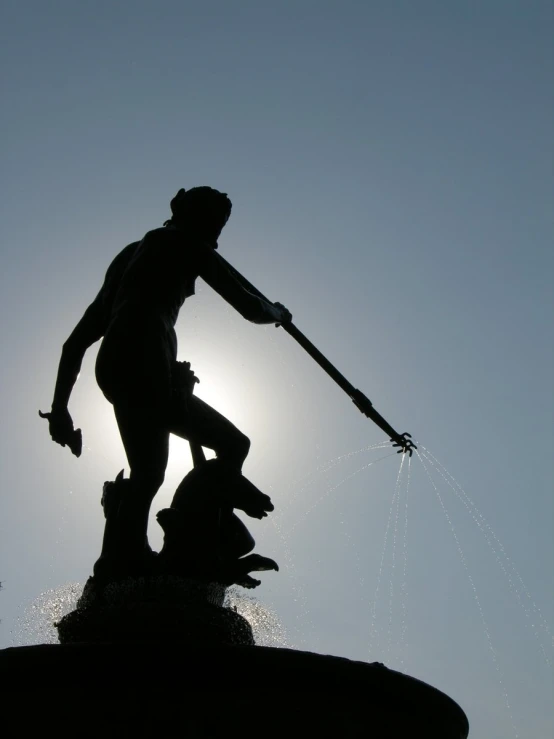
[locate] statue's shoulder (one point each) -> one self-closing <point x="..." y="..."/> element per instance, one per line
<point x="169" y="235"/>
<point x="183" y="243"/>
<point x="155" y="244"/>
<point x="163" y="234"/>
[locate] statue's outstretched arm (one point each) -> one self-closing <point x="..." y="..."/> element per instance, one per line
<point x="402" y="441"/>
<point x="224" y="281"/>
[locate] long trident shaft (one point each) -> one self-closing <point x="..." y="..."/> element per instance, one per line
<point x="356" y="396"/>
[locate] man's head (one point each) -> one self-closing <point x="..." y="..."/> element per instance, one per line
<point x="202" y="208"/>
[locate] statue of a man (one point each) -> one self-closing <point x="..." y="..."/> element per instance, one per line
<point x="135" y="314"/>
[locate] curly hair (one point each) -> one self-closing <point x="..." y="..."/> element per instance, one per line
<point x="201" y="205"/>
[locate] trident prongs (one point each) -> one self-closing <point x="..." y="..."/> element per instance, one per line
<point x="404" y="441"/>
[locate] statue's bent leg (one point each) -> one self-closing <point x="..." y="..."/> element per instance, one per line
<point x="197" y="421"/>
<point x="201" y="532"/>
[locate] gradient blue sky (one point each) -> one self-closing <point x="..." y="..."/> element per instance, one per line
<point x="390" y="165"/>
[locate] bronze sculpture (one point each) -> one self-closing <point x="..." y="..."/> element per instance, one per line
<point x="137" y="369"/>
<point x="152" y="394"/>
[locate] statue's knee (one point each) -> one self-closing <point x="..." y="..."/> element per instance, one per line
<point x="243" y="446"/>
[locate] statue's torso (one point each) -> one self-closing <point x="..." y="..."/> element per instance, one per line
<point x="143" y="305"/>
<point x="158" y="278"/>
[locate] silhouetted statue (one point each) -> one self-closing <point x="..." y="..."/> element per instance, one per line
<point x="137" y="370"/>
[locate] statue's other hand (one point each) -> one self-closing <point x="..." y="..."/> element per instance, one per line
<point x="62" y="430"/>
<point x="184" y="377"/>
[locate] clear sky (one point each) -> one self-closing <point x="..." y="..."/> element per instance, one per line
<point x="390" y="166"/>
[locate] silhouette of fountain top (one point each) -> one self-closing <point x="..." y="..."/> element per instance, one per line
<point x="146" y="613"/>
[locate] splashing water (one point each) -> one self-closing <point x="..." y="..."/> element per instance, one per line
<point x="391" y="589"/>
<point x="332" y="489"/>
<point x="373" y="626"/>
<point x="393" y="560"/>
<point x="404" y="582"/>
<point x="530" y="608"/>
<point x="300" y="485"/>
<point x="38" y="622"/>
<point x="304" y="619"/>
<point x="268" y="631"/>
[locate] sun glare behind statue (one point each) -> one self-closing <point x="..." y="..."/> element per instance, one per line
<point x="221" y="387"/>
<point x="224" y="389"/>
<point x="236" y="364"/>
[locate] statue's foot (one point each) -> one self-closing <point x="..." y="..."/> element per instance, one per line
<point x="248" y="498"/>
<point x="112" y="494"/>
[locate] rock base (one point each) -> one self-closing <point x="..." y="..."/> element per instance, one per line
<point x="155" y="609"/>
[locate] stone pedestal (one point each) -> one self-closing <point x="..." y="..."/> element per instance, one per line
<point x="162" y="657"/>
<point x="174" y="690"/>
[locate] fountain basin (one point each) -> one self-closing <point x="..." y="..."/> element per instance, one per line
<point x="173" y="689"/>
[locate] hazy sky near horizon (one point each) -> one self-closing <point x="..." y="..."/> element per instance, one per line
<point x="390" y="167"/>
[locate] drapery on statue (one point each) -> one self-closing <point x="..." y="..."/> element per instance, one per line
<point x="137" y="370"/>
